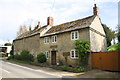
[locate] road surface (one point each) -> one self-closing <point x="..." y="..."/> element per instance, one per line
<point x="10" y="70"/>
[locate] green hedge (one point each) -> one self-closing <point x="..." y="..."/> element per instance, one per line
<point x="24" y="55"/>
<point x="41" y="58"/>
<point x="10" y="57"/>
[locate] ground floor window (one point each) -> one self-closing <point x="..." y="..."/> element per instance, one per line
<point x="47" y="54"/>
<point x="74" y="54"/>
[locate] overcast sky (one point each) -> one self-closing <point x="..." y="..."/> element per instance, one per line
<point x="14" y="13"/>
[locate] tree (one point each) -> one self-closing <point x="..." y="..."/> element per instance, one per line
<point x="109" y="34"/>
<point x="82" y="47"/>
<point x="7" y="44"/>
<point x="118" y="33"/>
<point x="36" y="27"/>
<point x="30" y="28"/>
<point x="22" y="29"/>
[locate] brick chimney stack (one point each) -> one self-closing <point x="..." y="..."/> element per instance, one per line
<point x="95" y="10"/>
<point x="50" y="21"/>
<point x="39" y="24"/>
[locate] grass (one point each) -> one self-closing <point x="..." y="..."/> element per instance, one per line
<point x="78" y="74"/>
<point x="114" y="47"/>
<point x="20" y="61"/>
<point x="70" y="69"/>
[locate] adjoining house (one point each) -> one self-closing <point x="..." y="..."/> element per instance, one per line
<point x="5" y="49"/>
<point x="57" y="41"/>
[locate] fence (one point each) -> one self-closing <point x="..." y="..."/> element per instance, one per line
<point x="106" y="60"/>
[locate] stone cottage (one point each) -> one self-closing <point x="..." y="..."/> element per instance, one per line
<point x="57" y="41"/>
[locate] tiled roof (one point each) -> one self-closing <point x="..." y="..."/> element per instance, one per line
<point x="31" y="33"/>
<point x="77" y="24"/>
<point x="80" y="23"/>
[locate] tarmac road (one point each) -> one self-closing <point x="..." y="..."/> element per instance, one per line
<point x="11" y="70"/>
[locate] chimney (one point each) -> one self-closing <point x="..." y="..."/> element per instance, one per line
<point x="39" y="24"/>
<point x="95" y="10"/>
<point x="50" y="21"/>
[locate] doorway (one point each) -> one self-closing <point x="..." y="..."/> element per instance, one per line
<point x="53" y="57"/>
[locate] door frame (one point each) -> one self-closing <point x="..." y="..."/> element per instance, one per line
<point x="53" y="58"/>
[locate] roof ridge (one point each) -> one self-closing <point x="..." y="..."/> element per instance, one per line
<point x="74" y="20"/>
<point x="79" y="23"/>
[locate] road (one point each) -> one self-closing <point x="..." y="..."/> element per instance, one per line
<point x="11" y="70"/>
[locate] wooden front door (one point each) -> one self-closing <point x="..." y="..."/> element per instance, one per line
<point x="53" y="57"/>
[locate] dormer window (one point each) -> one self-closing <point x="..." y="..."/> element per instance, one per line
<point x="74" y="35"/>
<point x="46" y="40"/>
<point x="54" y="39"/>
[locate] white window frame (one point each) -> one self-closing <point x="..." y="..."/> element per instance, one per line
<point x="46" y="54"/>
<point x="75" y="52"/>
<point x="53" y="40"/>
<point x="36" y="54"/>
<point x="46" y="40"/>
<point x="73" y="35"/>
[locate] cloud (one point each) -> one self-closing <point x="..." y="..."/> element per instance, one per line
<point x="14" y="13"/>
<point x="2" y="42"/>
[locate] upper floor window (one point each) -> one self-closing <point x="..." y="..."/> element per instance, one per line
<point x="74" y="35"/>
<point x="74" y="54"/>
<point x="47" y="54"/>
<point x="54" y="39"/>
<point x="46" y="40"/>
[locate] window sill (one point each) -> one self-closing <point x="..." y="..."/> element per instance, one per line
<point x="74" y="39"/>
<point x="54" y="42"/>
<point x="46" y="43"/>
<point x="74" y="58"/>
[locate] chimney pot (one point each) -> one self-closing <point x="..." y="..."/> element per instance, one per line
<point x="95" y="10"/>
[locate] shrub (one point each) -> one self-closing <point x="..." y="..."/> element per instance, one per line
<point x="26" y="56"/>
<point x="11" y="52"/>
<point x="71" y="69"/>
<point x="83" y="48"/>
<point x="10" y="57"/>
<point x="64" y="68"/>
<point x="41" y="58"/>
<point x="18" y="57"/>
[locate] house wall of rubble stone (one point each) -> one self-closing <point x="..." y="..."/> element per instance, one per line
<point x="63" y="44"/>
<point x="30" y="43"/>
<point x="98" y="42"/>
<point x="97" y="36"/>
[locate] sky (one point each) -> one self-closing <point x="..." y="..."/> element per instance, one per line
<point x="14" y="13"/>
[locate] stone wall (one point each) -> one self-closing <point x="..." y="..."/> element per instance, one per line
<point x="98" y="42"/>
<point x="63" y="44"/>
<point x="30" y="43"/>
<point x="97" y="36"/>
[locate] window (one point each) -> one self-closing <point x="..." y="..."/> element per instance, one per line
<point x="74" y="54"/>
<point x="54" y="39"/>
<point x="47" y="54"/>
<point x="36" y="54"/>
<point x="74" y="35"/>
<point x="46" y="40"/>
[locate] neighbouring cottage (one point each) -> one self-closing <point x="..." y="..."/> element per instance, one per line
<point x="57" y="41"/>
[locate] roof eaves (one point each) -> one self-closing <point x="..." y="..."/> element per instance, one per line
<point x="64" y="31"/>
